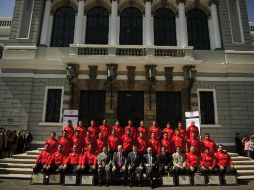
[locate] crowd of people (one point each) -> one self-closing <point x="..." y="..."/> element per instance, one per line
<point x="14" y="142"/>
<point x="245" y="146"/>
<point x="125" y="152"/>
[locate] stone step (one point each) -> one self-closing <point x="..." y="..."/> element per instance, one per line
<point x="33" y="152"/>
<point x="15" y="165"/>
<point x="24" y="156"/>
<point x="15" y="176"/>
<point x="245" y="177"/>
<point x="244" y="162"/>
<point x="233" y="154"/>
<point x="245" y="172"/>
<point x="40" y="149"/>
<point x="240" y="158"/>
<point x="12" y="160"/>
<point x="16" y="171"/>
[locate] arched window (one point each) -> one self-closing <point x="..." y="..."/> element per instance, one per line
<point x="97" y="26"/>
<point x="131" y="27"/>
<point x="63" y="27"/>
<point x="164" y="27"/>
<point x="198" y="33"/>
<point x="1" y="52"/>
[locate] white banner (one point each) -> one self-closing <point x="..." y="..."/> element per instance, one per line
<point x="70" y="115"/>
<point x="192" y="116"/>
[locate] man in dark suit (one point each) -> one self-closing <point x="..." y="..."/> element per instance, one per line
<point x="119" y="163"/>
<point x="104" y="164"/>
<point x="134" y="164"/>
<point x="164" y="161"/>
<point x="150" y="162"/>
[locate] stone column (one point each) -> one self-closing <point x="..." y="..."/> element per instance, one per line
<point x="45" y="23"/>
<point x="148" y="23"/>
<point x="182" y="24"/>
<point x="79" y="23"/>
<point x="113" y="26"/>
<point x="215" y="24"/>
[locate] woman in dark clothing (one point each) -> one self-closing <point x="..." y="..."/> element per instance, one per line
<point x="20" y="143"/>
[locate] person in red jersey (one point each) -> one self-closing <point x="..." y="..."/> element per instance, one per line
<point x="155" y="129"/>
<point x="192" y="128"/>
<point x="141" y="143"/>
<point x="208" y="162"/>
<point x="182" y="130"/>
<point x="41" y="161"/>
<point x="70" y="129"/>
<point x="88" y="140"/>
<point x="53" y="143"/>
<point x="170" y="131"/>
<point x="89" y="160"/>
<point x="100" y="143"/>
<point x="82" y="129"/>
<point x="93" y="130"/>
<point x="71" y="163"/>
<point x="66" y="142"/>
<point x="133" y="131"/>
<point x="56" y="161"/>
<point x="208" y="143"/>
<point x="113" y="142"/>
<point x="193" y="161"/>
<point x="78" y="141"/>
<point x="104" y="129"/>
<point x="154" y="144"/>
<point x="166" y="144"/>
<point x="224" y="161"/>
<point x="178" y="141"/>
<point x="128" y="141"/>
<point x="142" y="129"/>
<point x="118" y="129"/>
<point x="195" y="142"/>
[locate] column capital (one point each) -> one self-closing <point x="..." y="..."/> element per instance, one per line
<point x="114" y="0"/>
<point x="180" y="1"/>
<point x="148" y="1"/>
<point x="213" y="2"/>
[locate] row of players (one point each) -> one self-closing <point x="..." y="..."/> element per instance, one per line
<point x="126" y="165"/>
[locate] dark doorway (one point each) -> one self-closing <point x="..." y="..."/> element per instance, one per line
<point x="168" y="108"/>
<point x="130" y="106"/>
<point x="92" y="106"/>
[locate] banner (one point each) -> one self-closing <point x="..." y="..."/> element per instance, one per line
<point x="192" y="116"/>
<point x="70" y="115"/>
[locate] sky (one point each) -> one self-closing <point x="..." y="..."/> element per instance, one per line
<point x="7" y="6"/>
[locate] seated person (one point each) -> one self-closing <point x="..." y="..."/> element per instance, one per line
<point x="88" y="140"/>
<point x="104" y="164"/>
<point x="193" y="161"/>
<point x="127" y="140"/>
<point x="208" y="162"/>
<point x="224" y="161"/>
<point x="41" y="161"/>
<point x="179" y="161"/>
<point x="78" y="141"/>
<point x="53" y="143"/>
<point x="134" y="164"/>
<point x="164" y="160"/>
<point x="66" y="142"/>
<point x="141" y="143"/>
<point x="178" y="141"/>
<point x="71" y="163"/>
<point x="195" y="142"/>
<point x="167" y="143"/>
<point x="56" y="161"/>
<point x="119" y="163"/>
<point x="150" y="163"/>
<point x="100" y="143"/>
<point x="113" y="142"/>
<point x="154" y="143"/>
<point x="208" y="143"/>
<point x="88" y="161"/>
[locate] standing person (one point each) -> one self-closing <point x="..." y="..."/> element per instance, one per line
<point x="104" y="129"/>
<point x="13" y="145"/>
<point x="238" y="144"/>
<point x="93" y="130"/>
<point x="169" y="130"/>
<point x="20" y="143"/>
<point x="70" y="129"/>
<point x="182" y="130"/>
<point x="82" y="129"/>
<point x="192" y="128"/>
<point x="155" y="129"/>
<point x="245" y="143"/>
<point x="251" y="147"/>
<point x="133" y="131"/>
<point x="178" y="141"/>
<point x="28" y="140"/>
<point x="1" y="144"/>
<point x="142" y="129"/>
<point x="9" y="142"/>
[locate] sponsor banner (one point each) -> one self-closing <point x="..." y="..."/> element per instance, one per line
<point x="70" y="115"/>
<point x="192" y="116"/>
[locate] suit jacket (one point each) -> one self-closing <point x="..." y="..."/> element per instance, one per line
<point x="104" y="159"/>
<point x="164" y="159"/>
<point x="146" y="159"/>
<point x="179" y="159"/>
<point x="133" y="160"/>
<point x="116" y="158"/>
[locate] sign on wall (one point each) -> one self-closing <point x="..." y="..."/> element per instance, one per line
<point x="192" y="116"/>
<point x="70" y="115"/>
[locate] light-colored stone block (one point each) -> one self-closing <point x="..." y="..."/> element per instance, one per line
<point x="168" y="181"/>
<point x="54" y="179"/>
<point x="230" y="179"/>
<point x="70" y="179"/>
<point x="184" y="180"/>
<point x="198" y="180"/>
<point x="37" y="178"/>
<point x="213" y="180"/>
<point x="87" y="180"/>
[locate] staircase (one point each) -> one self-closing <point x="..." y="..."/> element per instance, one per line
<point x="20" y="166"/>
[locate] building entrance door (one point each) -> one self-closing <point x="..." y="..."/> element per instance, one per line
<point x="130" y="106"/>
<point x="92" y="106"/>
<point x="168" y="108"/>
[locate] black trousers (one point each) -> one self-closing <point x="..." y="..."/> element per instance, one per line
<point x="72" y="168"/>
<point x="228" y="170"/>
<point x="39" y="168"/>
<point x="88" y="169"/>
<point x="135" y="170"/>
<point x="215" y="170"/>
<point x="103" y="170"/>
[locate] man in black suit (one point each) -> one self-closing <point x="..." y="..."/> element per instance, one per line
<point x="134" y="164"/>
<point x="119" y="163"/>
<point x="150" y="162"/>
<point x="104" y="164"/>
<point x="164" y="161"/>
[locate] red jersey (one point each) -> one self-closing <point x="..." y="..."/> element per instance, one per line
<point x="88" y="140"/>
<point x="82" y="130"/>
<point x="73" y="158"/>
<point x="57" y="159"/>
<point x="191" y="129"/>
<point x="43" y="157"/>
<point x="94" y="132"/>
<point x="170" y="133"/>
<point x="156" y="130"/>
<point x="100" y="143"/>
<point x="70" y="130"/>
<point x="209" y="144"/>
<point x="133" y="131"/>
<point x="178" y="141"/>
<point x="119" y="131"/>
<point x="223" y="159"/>
<point x="155" y="145"/>
<point x="141" y="145"/>
<point x="53" y="144"/>
<point x="183" y="132"/>
<point x="105" y="131"/>
<point x="143" y="130"/>
<point x="208" y="160"/>
<point x="195" y="143"/>
<point x="67" y="144"/>
<point x="89" y="158"/>
<point x="192" y="159"/>
<point x="127" y="142"/>
<point x="113" y="142"/>
<point x="167" y="144"/>
<point x="79" y="142"/>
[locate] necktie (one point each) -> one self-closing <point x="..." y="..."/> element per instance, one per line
<point x="120" y="161"/>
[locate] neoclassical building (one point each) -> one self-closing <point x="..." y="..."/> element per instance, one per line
<point x="127" y="59"/>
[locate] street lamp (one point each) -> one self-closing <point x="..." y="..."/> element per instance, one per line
<point x="111" y="75"/>
<point x="151" y="73"/>
<point x="70" y="75"/>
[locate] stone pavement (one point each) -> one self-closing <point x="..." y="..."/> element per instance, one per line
<point x="11" y="184"/>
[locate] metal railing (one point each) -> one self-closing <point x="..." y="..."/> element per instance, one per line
<point x="5" y="21"/>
